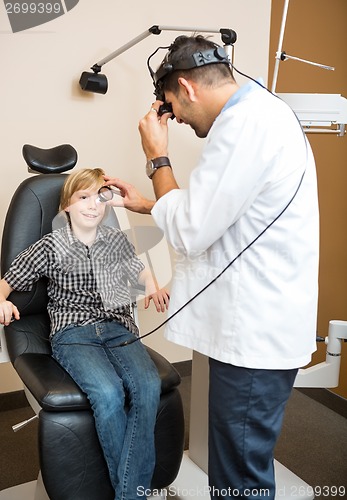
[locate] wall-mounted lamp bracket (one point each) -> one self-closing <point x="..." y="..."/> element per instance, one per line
<point x="96" y="68"/>
<point x="97" y="82"/>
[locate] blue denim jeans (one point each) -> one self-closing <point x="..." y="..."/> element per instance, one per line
<point x="123" y="387"/>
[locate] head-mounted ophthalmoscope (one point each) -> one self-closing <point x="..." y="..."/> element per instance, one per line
<point x="196" y="60"/>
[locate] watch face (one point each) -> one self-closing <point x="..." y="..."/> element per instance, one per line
<point x="149" y="168"/>
<point x="153" y="165"/>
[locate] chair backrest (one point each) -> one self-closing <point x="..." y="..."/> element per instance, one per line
<point x="29" y="217"/>
<point x="33" y="207"/>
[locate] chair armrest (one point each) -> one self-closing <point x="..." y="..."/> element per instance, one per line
<point x="49" y="383"/>
<point x="169" y="376"/>
<point x="55" y="390"/>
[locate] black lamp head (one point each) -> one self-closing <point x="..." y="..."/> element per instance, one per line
<point x="93" y="82"/>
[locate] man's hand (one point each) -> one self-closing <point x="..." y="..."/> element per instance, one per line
<point x="129" y="197"/>
<point x="154" y="132"/>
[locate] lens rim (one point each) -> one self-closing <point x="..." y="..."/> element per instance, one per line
<point x="101" y="194"/>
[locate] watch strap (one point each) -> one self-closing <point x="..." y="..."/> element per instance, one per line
<point x="161" y="161"/>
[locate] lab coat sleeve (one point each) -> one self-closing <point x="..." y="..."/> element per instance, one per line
<point x="228" y="177"/>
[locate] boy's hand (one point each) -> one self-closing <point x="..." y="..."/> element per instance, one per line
<point x="161" y="299"/>
<point x="8" y="311"/>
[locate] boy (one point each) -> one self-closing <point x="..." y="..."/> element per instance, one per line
<point x="88" y="266"/>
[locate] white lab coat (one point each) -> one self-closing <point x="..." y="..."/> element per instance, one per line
<point x="261" y="313"/>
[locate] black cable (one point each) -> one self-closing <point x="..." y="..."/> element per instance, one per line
<point x="140" y="337"/>
<point x="247" y="247"/>
<point x="218" y="275"/>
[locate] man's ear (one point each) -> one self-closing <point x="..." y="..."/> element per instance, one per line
<point x="187" y="87"/>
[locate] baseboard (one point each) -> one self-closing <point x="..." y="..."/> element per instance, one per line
<point x="333" y="401"/>
<point x="13" y="400"/>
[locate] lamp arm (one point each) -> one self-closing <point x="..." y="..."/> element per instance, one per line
<point x="97" y="67"/>
<point x="96" y="82"/>
<point x="228" y="37"/>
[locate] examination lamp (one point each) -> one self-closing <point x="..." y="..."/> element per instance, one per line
<point x="96" y="82"/>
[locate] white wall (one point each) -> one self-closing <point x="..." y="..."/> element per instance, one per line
<point x="42" y="104"/>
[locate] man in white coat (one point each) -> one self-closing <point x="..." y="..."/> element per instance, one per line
<point x="250" y="209"/>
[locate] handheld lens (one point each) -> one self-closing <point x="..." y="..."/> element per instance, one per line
<point x="166" y="108"/>
<point x="105" y="194"/>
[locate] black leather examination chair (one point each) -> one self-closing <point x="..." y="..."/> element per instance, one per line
<point x="71" y="460"/>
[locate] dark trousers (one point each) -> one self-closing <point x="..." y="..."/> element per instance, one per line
<point x="246" y="408"/>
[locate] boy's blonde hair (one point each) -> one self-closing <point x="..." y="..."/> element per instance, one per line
<point x="87" y="178"/>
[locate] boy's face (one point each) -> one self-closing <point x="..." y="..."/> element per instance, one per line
<point x="85" y="210"/>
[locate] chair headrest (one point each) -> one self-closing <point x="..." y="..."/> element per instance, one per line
<point x="50" y="161"/>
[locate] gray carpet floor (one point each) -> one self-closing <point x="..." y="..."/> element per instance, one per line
<point x="313" y="442"/>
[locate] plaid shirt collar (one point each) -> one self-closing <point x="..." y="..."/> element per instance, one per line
<point x="72" y="241"/>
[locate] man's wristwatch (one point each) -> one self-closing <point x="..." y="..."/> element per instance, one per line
<point x="153" y="165"/>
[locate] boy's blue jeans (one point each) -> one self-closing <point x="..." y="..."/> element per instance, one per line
<point x="123" y="387"/>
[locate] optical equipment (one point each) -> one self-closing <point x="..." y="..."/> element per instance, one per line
<point x="200" y="58"/>
<point x="97" y="82"/>
<point x="317" y="113"/>
<point x="105" y="194"/>
<point x="94" y="82"/>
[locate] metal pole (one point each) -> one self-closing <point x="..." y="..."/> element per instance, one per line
<point x="125" y="47"/>
<point x="280" y="43"/>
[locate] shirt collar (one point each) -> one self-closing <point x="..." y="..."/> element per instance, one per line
<point x="73" y="241"/>
<point x="242" y="92"/>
